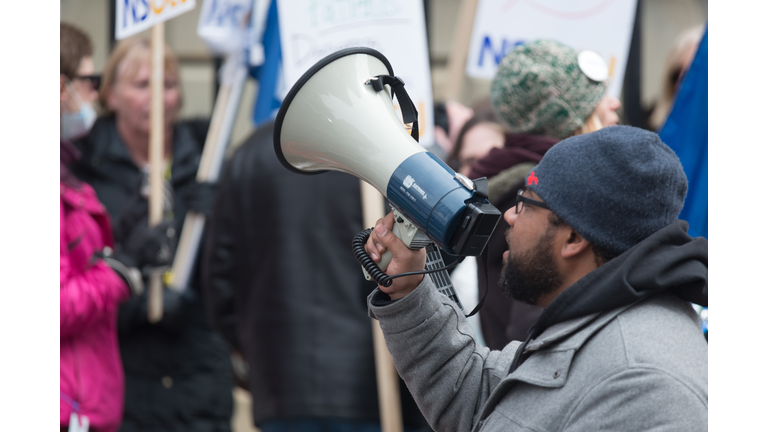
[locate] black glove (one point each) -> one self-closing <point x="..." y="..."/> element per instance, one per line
<point x="139" y="249"/>
<point x="175" y="305"/>
<point x="176" y="308"/>
<point x="199" y="197"/>
<point x="145" y="248"/>
<point x="149" y="247"/>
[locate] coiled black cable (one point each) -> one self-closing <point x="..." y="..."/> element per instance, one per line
<point x="381" y="278"/>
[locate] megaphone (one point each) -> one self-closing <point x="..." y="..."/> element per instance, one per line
<point x="339" y="116"/>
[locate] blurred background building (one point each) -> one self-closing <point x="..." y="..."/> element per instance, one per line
<point x="659" y="24"/>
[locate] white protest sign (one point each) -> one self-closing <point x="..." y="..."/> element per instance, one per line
<point x="223" y="25"/>
<point x="312" y="29"/>
<point x="135" y="16"/>
<point x="603" y="26"/>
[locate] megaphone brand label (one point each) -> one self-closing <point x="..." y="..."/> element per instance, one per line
<point x="409" y="183"/>
<point x="424" y="190"/>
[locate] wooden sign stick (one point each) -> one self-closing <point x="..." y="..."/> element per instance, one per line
<point x="234" y="73"/>
<point x="156" y="162"/>
<point x="457" y="60"/>
<point x="387" y="380"/>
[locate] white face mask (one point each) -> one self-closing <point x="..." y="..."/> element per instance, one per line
<point x="77" y="124"/>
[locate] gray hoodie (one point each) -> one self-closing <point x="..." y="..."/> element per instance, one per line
<point x="620" y="350"/>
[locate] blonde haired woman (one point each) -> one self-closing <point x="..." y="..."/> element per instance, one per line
<point x="177" y="371"/>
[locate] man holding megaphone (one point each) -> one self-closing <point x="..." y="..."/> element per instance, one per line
<point x="618" y="346"/>
<point x="594" y="239"/>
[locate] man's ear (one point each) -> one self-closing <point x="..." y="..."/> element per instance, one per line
<point x="574" y="245"/>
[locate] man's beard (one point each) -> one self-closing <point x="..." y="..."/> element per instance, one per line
<point x="533" y="274"/>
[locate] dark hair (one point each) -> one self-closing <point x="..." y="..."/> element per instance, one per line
<point x="554" y="220"/>
<point x="484" y="113"/>
<point x="602" y="255"/>
<point x="74" y="45"/>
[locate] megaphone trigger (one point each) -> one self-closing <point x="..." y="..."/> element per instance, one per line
<point x="411" y="236"/>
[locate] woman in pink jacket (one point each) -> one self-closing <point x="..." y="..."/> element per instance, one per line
<point x="91" y="372"/>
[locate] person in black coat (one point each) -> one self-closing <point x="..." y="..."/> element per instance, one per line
<point x="177" y="371"/>
<point x="283" y="286"/>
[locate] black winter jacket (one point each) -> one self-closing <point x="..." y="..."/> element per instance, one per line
<point x="282" y="284"/>
<point x="177" y="372"/>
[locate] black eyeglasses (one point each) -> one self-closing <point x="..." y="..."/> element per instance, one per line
<point x="521" y="201"/>
<point x="94" y="80"/>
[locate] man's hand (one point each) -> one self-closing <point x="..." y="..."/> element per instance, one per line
<point x="403" y="259"/>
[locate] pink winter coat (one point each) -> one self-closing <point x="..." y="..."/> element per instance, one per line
<point x="91" y="371"/>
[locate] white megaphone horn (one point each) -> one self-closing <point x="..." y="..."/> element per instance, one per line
<point x="339" y="116"/>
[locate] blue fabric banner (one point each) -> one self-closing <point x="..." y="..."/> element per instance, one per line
<point x="686" y="132"/>
<point x="268" y="74"/>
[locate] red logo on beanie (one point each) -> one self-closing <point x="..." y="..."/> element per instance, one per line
<point x="533" y="179"/>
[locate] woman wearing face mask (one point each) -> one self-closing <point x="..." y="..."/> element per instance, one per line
<point x="177" y="371"/>
<point x="91" y="375"/>
<point x="79" y="85"/>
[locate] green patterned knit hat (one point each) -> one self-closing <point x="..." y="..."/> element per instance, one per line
<point x="539" y="88"/>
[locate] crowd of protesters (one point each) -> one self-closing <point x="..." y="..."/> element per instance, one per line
<point x="177" y="371"/>
<point x="276" y="283"/>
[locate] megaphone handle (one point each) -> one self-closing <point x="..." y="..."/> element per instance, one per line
<point x="371" y="269"/>
<point x="406" y="231"/>
<point x="434" y="262"/>
<point x="386" y="257"/>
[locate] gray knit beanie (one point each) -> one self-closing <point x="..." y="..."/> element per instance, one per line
<point x="539" y="88"/>
<point x="615" y="186"/>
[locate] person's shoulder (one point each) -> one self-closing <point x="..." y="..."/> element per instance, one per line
<point x="261" y="138"/>
<point x="660" y="333"/>
<point x="662" y="313"/>
<point x="256" y="151"/>
<point x="651" y="360"/>
<point x="663" y="332"/>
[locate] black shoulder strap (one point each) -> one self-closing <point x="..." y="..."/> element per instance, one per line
<point x="410" y="115"/>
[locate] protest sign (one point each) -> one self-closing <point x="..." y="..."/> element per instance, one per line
<point x="223" y="25"/>
<point x="135" y="16"/>
<point x="603" y="26"/>
<point x="132" y="17"/>
<point x="233" y="75"/>
<point x="312" y="29"/>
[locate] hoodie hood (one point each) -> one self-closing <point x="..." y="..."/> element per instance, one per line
<point x="667" y="261"/>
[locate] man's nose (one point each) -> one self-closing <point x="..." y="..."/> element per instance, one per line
<point x="510" y="216"/>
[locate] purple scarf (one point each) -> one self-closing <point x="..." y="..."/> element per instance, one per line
<point x="518" y="148"/>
